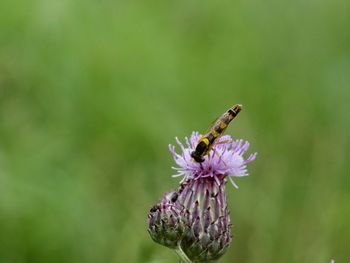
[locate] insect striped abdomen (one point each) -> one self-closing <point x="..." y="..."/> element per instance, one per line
<point x="207" y="141"/>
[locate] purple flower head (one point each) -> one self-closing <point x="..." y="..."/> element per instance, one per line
<point x="225" y="159"/>
<point x="194" y="220"/>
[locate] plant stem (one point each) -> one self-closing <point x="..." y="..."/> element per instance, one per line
<point x="183" y="257"/>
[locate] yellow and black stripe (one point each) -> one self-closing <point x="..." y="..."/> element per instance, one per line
<point x="207" y="141"/>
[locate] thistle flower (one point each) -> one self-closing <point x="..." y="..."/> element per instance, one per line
<point x="195" y="218"/>
<point x="224" y="160"/>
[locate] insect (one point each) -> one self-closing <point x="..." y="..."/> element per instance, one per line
<point x="207" y="141"/>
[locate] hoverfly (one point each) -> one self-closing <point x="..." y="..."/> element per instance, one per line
<point x="206" y="142"/>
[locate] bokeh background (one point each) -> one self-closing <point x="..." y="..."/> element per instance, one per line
<point x="92" y="93"/>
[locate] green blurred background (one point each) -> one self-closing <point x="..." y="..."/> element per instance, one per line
<point x="92" y="93"/>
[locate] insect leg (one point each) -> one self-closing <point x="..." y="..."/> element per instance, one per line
<point x="223" y="142"/>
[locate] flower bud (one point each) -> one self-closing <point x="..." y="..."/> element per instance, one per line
<point x="164" y="219"/>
